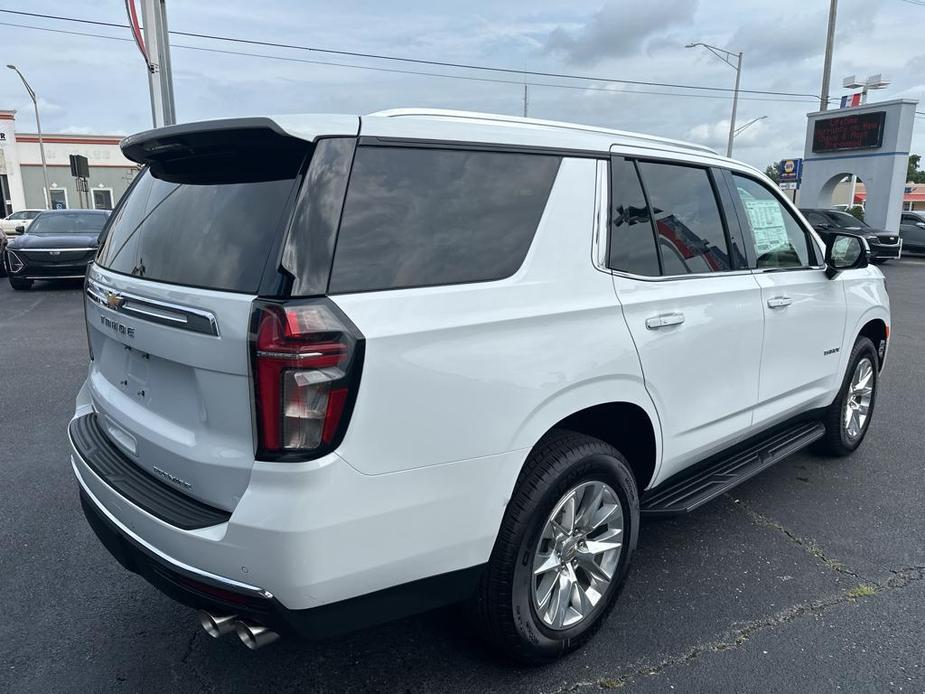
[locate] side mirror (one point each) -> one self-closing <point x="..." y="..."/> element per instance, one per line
<point x="845" y="252"/>
<point x="20" y="229"/>
<point x="920" y="225"/>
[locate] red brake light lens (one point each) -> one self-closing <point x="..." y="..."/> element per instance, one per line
<point x="307" y="357"/>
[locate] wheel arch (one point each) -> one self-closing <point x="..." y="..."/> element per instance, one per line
<point x="876" y="331"/>
<point x="629" y="424"/>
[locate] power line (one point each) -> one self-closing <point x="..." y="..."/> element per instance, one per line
<point x="419" y="61"/>
<point x="406" y="72"/>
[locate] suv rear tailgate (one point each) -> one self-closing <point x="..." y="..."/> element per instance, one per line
<point x="176" y="399"/>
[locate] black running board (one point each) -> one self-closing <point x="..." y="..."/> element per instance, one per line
<point x="691" y="491"/>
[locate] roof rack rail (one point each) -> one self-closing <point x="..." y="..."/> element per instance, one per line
<point x="536" y="122"/>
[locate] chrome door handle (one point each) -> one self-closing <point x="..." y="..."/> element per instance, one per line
<point x="664" y="320"/>
<point x="779" y="301"/>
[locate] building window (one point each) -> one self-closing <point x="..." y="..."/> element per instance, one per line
<point x="102" y="198"/>
<point x="57" y="198"/>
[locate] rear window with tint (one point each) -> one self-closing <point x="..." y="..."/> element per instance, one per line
<point x="424" y="217"/>
<point x="216" y="236"/>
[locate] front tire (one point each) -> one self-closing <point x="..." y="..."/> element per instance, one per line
<point x="847" y="419"/>
<point x="563" y="550"/>
<point x="20" y="284"/>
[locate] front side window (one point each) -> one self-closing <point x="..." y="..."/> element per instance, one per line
<point x="778" y="238"/>
<point x="689" y="227"/>
<point x="418" y="217"/>
<point x="632" y="241"/>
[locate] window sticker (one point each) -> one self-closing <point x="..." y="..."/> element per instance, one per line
<point x="767" y="225"/>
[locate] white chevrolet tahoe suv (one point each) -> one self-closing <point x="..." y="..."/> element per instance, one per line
<point x="348" y="368"/>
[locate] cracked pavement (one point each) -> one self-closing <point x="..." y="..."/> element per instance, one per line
<point x="809" y="577"/>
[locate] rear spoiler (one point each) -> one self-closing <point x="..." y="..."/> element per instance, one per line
<point x="218" y="151"/>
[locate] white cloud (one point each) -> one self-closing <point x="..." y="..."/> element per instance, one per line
<point x="618" y="29"/>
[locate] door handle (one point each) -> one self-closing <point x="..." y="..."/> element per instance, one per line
<point x="664" y="320"/>
<point x="779" y="301"/>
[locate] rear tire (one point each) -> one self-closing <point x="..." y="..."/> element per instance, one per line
<point x="546" y="592"/>
<point x="20" y="284"/>
<point x="847" y="419"/>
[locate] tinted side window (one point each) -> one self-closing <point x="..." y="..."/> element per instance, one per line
<point x="632" y="240"/>
<point x="778" y="238"/>
<point x="310" y="246"/>
<point x="690" y="232"/>
<point x="420" y="217"/>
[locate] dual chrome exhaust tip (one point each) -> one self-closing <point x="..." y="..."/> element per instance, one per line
<point x="253" y="636"/>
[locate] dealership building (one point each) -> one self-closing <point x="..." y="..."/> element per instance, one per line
<point x="21" y="181"/>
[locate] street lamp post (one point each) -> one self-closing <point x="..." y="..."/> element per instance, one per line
<point x="727" y="57"/>
<point x="38" y="126"/>
<point x="738" y="131"/>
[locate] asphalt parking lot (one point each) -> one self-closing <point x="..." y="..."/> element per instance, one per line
<point x="809" y="578"/>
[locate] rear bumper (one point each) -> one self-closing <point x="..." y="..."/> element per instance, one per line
<point x="199" y="590"/>
<point x="318" y="534"/>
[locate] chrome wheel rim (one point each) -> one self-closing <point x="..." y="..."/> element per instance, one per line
<point x="577" y="554"/>
<point x="860" y="394"/>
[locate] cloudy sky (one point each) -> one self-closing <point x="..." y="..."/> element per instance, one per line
<point x="94" y="85"/>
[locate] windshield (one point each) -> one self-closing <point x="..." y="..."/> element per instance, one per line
<point x="69" y="223"/>
<point x="844" y="220"/>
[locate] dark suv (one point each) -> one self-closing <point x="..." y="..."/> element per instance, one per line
<point x="884" y="245"/>
<point x="912" y="231"/>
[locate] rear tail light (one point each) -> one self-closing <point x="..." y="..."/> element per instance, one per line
<point x="307" y="358"/>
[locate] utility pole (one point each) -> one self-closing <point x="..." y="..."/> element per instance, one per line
<point x="154" y="45"/>
<point x="827" y="66"/>
<point x="735" y="105"/>
<point x="727" y="57"/>
<point x="525" y="101"/>
<point x="38" y="127"/>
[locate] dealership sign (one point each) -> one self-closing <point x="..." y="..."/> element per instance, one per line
<point x="861" y="131"/>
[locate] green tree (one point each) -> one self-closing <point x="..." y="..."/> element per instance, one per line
<point x="772" y="171"/>
<point x="914" y="175"/>
<point x="857" y="211"/>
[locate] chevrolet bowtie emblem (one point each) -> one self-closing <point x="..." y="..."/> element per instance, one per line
<point x="114" y="301"/>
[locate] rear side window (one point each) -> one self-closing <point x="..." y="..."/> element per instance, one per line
<point x="423" y="217"/>
<point x="196" y="225"/>
<point x="632" y="240"/>
<point x="689" y="227"/>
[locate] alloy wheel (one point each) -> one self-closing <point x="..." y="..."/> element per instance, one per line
<point x="577" y="554"/>
<point x="860" y="394"/>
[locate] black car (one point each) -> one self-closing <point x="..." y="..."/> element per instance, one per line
<point x="884" y="245"/>
<point x="912" y="231"/>
<point x="58" y="244"/>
